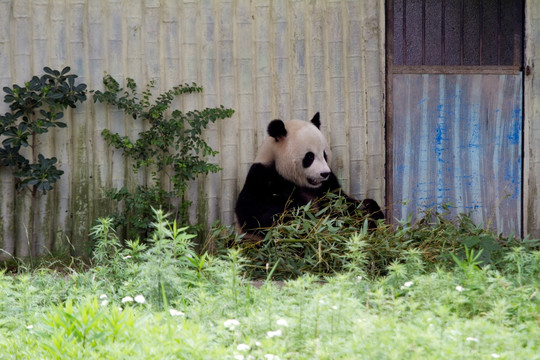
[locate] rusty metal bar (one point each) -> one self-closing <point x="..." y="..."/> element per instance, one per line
<point x="457" y="69"/>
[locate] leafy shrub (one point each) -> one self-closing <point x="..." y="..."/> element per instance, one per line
<point x="171" y="148"/>
<point x="35" y="108"/>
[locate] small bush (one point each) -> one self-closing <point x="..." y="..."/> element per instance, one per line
<point x="172" y="149"/>
<point x="35" y="108"/>
<point x="162" y="267"/>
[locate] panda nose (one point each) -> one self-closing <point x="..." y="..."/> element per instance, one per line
<point x="324" y="175"/>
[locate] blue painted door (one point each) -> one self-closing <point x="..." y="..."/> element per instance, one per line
<point x="454" y="119"/>
<point x="457" y="141"/>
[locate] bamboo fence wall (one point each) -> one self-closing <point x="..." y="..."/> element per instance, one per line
<point x="266" y="59"/>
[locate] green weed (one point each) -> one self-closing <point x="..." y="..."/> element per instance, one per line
<point x="162" y="300"/>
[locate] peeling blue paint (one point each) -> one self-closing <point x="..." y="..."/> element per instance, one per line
<point x="460" y="144"/>
<point x="515" y="133"/>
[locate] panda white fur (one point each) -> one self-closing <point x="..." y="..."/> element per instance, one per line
<point x="291" y="169"/>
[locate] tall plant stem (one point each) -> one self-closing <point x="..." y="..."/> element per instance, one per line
<point x="35" y="209"/>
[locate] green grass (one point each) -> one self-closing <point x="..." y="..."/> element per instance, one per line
<point x="203" y="307"/>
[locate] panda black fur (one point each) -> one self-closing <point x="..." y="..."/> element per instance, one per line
<point x="290" y="170"/>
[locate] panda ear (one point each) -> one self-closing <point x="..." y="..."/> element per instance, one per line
<point x="276" y="129"/>
<point x="316" y="120"/>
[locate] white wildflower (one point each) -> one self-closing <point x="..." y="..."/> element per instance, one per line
<point x="140" y="299"/>
<point x="174" y="312"/>
<point x="459" y="288"/>
<point x="231" y="324"/>
<point x="335" y="307"/>
<point x="103" y="296"/>
<point x="126" y="257"/>
<point x="358" y="278"/>
<point x="407" y="285"/>
<point x="258" y="343"/>
<point x="271" y="357"/>
<point x="282" y="322"/>
<point x="495" y="356"/>
<point x="104" y="302"/>
<point x="239" y="357"/>
<point x="472" y="339"/>
<point x="30" y="327"/>
<point x="271" y="334"/>
<point x="127" y="299"/>
<point x="243" y="347"/>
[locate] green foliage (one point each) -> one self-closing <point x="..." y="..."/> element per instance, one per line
<point x="470" y="263"/>
<point x="423" y="314"/>
<point x="35" y="108"/>
<point x="315" y="238"/>
<point x="523" y="263"/>
<point x="160" y="300"/>
<point x="162" y="267"/>
<point x="172" y="148"/>
<point x="323" y="238"/>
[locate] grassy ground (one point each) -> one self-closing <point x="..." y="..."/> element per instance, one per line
<point x="161" y="300"/>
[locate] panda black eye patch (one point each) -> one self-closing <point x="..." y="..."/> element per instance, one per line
<point x="308" y="159"/>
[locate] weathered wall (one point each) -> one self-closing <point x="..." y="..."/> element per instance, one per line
<point x="531" y="168"/>
<point x="265" y="59"/>
<point x="457" y="140"/>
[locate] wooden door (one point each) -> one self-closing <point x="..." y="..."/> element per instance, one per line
<point x="455" y="110"/>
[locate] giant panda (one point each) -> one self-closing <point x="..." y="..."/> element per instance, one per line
<point x="290" y="170"/>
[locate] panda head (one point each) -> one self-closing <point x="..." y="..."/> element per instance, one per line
<point x="299" y="151"/>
